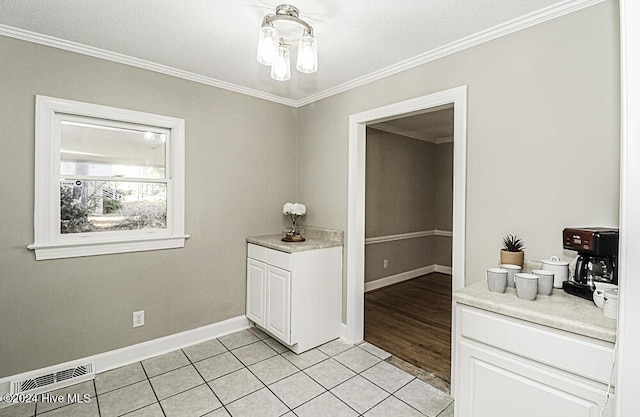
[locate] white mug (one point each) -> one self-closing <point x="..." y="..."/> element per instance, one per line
<point x="497" y="279"/>
<point x="512" y="270"/>
<point x="610" y="308"/>
<point x="598" y="293"/>
<point x="545" y="281"/>
<point x="527" y="286"/>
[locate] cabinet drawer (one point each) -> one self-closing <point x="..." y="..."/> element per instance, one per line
<point x="257" y="252"/>
<point x="269" y="256"/>
<point x="563" y="350"/>
<point x="279" y="259"/>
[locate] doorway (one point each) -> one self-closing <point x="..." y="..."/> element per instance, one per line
<point x="354" y="310"/>
<point x="408" y="222"/>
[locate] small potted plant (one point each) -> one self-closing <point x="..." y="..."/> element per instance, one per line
<point x="512" y="250"/>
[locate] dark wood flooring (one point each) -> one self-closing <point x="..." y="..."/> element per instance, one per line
<point x="412" y="321"/>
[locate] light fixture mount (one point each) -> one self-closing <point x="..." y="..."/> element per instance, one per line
<point x="272" y="40"/>
<point x="287" y="9"/>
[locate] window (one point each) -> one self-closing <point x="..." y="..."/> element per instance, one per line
<point x="108" y="180"/>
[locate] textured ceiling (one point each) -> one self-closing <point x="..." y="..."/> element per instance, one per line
<point x="216" y="40"/>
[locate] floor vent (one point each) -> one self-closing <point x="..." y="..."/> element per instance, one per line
<point x="53" y="380"/>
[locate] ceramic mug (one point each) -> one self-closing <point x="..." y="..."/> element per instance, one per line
<point x="497" y="279"/>
<point x="512" y="270"/>
<point x="526" y="286"/>
<point x="545" y="281"/>
<point x="610" y="308"/>
<point x="598" y="293"/>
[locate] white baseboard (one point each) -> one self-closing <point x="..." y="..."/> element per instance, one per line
<point x="404" y="276"/>
<point x="444" y="269"/>
<point x="145" y="350"/>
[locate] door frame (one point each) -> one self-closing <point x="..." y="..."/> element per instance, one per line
<point x="628" y="340"/>
<point x="358" y="122"/>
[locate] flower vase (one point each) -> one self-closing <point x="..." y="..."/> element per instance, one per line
<point x="293" y="234"/>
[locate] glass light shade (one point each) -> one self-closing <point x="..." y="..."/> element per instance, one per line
<point x="307" y="54"/>
<point x="281" y="66"/>
<point x="268" y="42"/>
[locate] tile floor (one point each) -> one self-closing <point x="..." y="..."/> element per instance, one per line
<point x="249" y="374"/>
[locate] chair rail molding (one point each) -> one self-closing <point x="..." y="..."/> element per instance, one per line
<point x="403" y="236"/>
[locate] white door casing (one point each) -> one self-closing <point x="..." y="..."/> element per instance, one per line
<point x="628" y="338"/>
<point x="356" y="194"/>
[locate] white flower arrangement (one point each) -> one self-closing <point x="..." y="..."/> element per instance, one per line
<point x="294" y="210"/>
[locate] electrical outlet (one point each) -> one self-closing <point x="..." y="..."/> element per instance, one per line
<point x="385" y="264"/>
<point x="138" y="318"/>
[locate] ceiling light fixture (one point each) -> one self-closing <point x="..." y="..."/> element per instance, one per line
<point x="272" y="44"/>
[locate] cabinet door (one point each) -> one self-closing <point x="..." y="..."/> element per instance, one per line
<point x="256" y="291"/>
<point x="279" y="303"/>
<point x="497" y="384"/>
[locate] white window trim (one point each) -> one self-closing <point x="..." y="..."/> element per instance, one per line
<point x="46" y="244"/>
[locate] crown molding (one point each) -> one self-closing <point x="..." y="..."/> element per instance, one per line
<point x="384" y="127"/>
<point x="487" y="35"/>
<point x="448" y="139"/>
<point x="79" y="48"/>
<point x="503" y="29"/>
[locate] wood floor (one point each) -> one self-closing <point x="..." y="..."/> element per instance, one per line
<point x="412" y="320"/>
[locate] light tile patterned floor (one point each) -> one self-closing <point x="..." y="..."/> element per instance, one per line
<point x="249" y="374"/>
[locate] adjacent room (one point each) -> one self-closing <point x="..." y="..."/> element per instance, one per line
<point x="409" y="208"/>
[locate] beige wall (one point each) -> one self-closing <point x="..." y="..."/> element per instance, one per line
<point x="444" y="187"/>
<point x="543" y="134"/>
<point x="400" y="184"/>
<point x="60" y="310"/>
<point x="408" y="189"/>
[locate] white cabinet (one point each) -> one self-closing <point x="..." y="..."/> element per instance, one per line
<point x="256" y="291"/>
<point x="507" y="367"/>
<point x="295" y="297"/>
<point x="278" y="296"/>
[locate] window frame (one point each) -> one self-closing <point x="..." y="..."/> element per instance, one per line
<point x="49" y="243"/>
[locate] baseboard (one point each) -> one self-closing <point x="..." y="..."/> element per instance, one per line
<point x="145" y="350"/>
<point x="444" y="269"/>
<point x="404" y="276"/>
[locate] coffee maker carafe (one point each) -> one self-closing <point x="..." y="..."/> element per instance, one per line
<point x="597" y="255"/>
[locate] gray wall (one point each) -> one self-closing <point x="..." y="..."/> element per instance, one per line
<point x="408" y="189"/>
<point x="400" y="184"/>
<point x="444" y="187"/>
<point x="60" y="310"/>
<point x="543" y="108"/>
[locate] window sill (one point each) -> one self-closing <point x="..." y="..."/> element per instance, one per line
<point x="78" y="249"/>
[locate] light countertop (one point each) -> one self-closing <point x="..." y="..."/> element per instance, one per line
<point x="558" y="310"/>
<point x="315" y="238"/>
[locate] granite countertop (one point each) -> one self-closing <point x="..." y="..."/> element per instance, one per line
<point x="315" y="238"/>
<point x="558" y="310"/>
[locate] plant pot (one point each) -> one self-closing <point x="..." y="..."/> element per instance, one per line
<point x="513" y="258"/>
